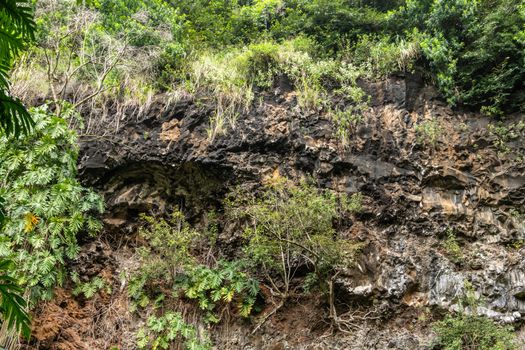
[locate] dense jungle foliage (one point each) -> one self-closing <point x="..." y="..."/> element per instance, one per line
<point x="128" y="50"/>
<point x="76" y="62"/>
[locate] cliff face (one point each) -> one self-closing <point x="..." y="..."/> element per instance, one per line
<point x="470" y="181"/>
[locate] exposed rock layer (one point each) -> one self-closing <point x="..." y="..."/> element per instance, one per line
<point x="415" y="191"/>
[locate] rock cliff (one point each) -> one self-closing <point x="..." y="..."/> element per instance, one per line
<point x="462" y="177"/>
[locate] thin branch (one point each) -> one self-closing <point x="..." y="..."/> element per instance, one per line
<point x="100" y="87"/>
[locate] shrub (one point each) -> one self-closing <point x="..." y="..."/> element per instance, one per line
<point x="224" y="283"/>
<point x="473" y="332"/>
<point x="292" y="224"/>
<point x="503" y="134"/>
<point x="452" y="248"/>
<point x="468" y="330"/>
<point x="352" y="204"/>
<point x="46" y="207"/>
<point x="169" y="251"/>
<point x="330" y="21"/>
<point x="475" y="52"/>
<point x="428" y="132"/>
<point x="161" y="331"/>
<point x="169" y="263"/>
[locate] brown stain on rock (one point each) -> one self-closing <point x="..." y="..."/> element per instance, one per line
<point x="170" y="131"/>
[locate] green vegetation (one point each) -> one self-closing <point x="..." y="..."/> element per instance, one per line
<point x="12" y="304"/>
<point x="168" y="251"/>
<point x="452" y="247"/>
<point x="45" y="205"/>
<point x="169" y="263"/>
<point x="101" y="58"/>
<point x="89" y="288"/>
<point x="468" y="330"/>
<point x="428" y="132"/>
<point x="231" y="77"/>
<point x="473" y="332"/>
<point x="475" y="50"/>
<point x="378" y="56"/>
<point x="120" y="53"/>
<point x="162" y="331"/>
<point x="287" y="224"/>
<point x="503" y="134"/>
<point x="223" y="283"/>
<point x="17" y="28"/>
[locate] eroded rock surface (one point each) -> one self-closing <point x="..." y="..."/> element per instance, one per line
<point x="415" y="191"/>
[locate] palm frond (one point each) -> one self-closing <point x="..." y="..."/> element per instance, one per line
<point x="14" y="118"/>
<point x="20" y="12"/>
<point x="17" y="26"/>
<point x="12" y="304"/>
<point x="10" y="43"/>
<point x="2" y="213"/>
<point x="4" y="78"/>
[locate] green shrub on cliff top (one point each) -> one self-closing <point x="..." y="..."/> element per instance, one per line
<point x="473" y="50"/>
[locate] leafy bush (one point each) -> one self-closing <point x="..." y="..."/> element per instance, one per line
<point x="290" y="224"/>
<point x="169" y="248"/>
<point x="330" y="22"/>
<point x="46" y="207"/>
<point x="473" y="332"/>
<point x="475" y="52"/>
<point x="503" y="134"/>
<point x="161" y="331"/>
<point x="153" y="25"/>
<point x="169" y="263"/>
<point x="468" y="330"/>
<point x="224" y="283"/>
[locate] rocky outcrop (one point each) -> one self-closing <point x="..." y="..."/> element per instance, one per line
<point x="416" y="191"/>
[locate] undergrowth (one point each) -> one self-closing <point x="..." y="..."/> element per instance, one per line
<point x="286" y="226"/>
<point x="170" y="270"/>
<point x="469" y="330"/>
